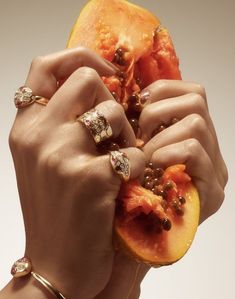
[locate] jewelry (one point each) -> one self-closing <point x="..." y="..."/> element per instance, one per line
<point x="23" y="267"/>
<point x="97" y="124"/>
<point x="42" y="101"/>
<point x="47" y="285"/>
<point x="120" y="164"/>
<point x="24" y="97"/>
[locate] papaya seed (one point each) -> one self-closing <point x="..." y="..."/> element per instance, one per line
<point x="181" y="200"/>
<point x="120" y="51"/>
<point x="166" y="224"/>
<point x="148" y="185"/>
<point x="168" y="186"/>
<point x="179" y="211"/>
<point x="148" y="172"/>
<point x="158" y="172"/>
<point x="134" y="124"/>
<point x="156" y="181"/>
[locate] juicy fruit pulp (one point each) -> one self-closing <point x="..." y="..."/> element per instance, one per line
<point x="132" y="38"/>
<point x="158" y="225"/>
<point x="155" y="222"/>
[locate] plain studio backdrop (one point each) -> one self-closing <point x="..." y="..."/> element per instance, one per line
<point x="203" y="33"/>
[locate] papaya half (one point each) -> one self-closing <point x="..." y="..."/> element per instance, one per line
<point x="155" y="221"/>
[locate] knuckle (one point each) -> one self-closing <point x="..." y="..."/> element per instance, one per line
<point x="114" y="113"/>
<point x="192" y="148"/>
<point x="155" y="156"/>
<point x="162" y="84"/>
<point x="115" y="110"/>
<point x="88" y="74"/>
<point x="198" y="102"/>
<point x="28" y="143"/>
<point x="13" y="139"/>
<point x="52" y="163"/>
<point x="39" y="62"/>
<point x="196" y="124"/>
<point x="225" y="174"/>
<point x="201" y="90"/>
<point x="146" y="115"/>
<point x="138" y="155"/>
<point x="83" y="52"/>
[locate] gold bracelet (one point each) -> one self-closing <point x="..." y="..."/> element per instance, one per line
<point x="23" y="267"/>
<point x="47" y="285"/>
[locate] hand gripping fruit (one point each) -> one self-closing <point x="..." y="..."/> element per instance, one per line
<point x="154" y="222"/>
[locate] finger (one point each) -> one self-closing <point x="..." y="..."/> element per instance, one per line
<point x="47" y="71"/>
<point x="163" y="89"/>
<point x="199" y="166"/>
<point x="163" y="112"/>
<point x="83" y="90"/>
<point x="87" y="138"/>
<point x="192" y="126"/>
<point x="101" y="173"/>
<point x="115" y="115"/>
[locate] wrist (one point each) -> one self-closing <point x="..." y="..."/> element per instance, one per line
<point x="25" y="288"/>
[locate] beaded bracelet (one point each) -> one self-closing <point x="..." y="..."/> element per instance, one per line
<point x="23" y="267"/>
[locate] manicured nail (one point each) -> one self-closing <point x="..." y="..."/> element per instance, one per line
<point x="145" y="97"/>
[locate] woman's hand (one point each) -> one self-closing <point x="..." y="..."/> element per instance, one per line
<point x="67" y="189"/>
<point x="190" y="140"/>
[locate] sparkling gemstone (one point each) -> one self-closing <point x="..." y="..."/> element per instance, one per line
<point x="23" y="96"/>
<point x="21" y="267"/>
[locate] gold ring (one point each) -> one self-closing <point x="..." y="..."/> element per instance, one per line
<point x="42" y="101"/>
<point x="24" y="97"/>
<point x="23" y="267"/>
<point x="120" y="164"/>
<point x="97" y="124"/>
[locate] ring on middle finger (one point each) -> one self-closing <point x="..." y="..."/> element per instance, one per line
<point x="97" y="124"/>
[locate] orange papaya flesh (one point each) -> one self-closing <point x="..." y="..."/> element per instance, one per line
<point x="148" y="52"/>
<point x="155" y="229"/>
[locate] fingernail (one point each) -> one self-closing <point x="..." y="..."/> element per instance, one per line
<point x="145" y="97"/>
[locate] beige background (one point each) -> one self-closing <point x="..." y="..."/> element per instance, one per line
<point x="203" y="32"/>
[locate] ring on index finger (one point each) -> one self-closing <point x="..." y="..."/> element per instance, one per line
<point x="24" y="97"/>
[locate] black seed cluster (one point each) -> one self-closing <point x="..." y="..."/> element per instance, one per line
<point x="151" y="223"/>
<point x="119" y="57"/>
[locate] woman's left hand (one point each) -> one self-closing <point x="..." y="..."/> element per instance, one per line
<point x="177" y="128"/>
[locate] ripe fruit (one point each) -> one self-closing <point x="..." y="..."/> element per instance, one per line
<point x="157" y="226"/>
<point x="155" y="222"/>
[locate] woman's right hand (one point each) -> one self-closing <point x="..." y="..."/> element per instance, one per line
<point x="67" y="189"/>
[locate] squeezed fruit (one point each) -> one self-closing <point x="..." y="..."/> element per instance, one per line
<point x="154" y="222"/>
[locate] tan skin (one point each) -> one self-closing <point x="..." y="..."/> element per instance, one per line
<point x="68" y="190"/>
